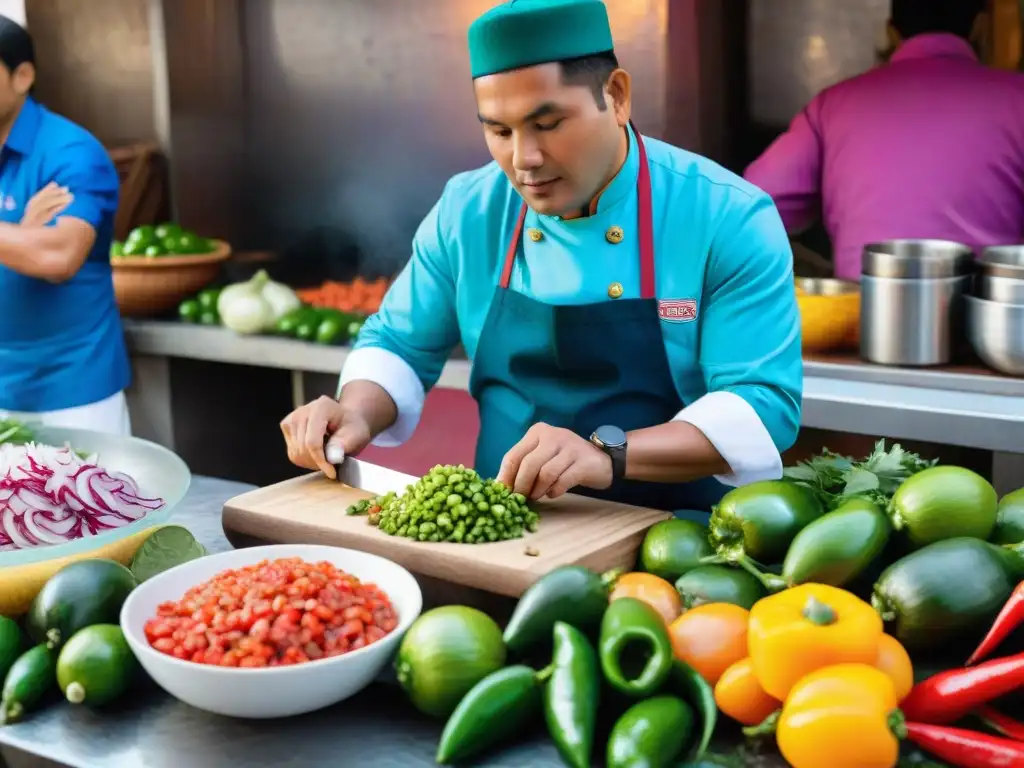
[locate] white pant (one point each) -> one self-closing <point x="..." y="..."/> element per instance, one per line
<point x="109" y="415"/>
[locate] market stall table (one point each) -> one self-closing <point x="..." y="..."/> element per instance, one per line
<point x="153" y="730"/>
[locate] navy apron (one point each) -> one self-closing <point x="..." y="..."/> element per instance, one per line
<point x="580" y="367"/>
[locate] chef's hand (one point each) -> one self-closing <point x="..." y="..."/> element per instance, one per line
<point x="550" y="461"/>
<point x="46" y="204"/>
<point x="306" y="430"/>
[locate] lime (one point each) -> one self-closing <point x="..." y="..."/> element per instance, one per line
<point x="332" y="329"/>
<point x="446" y="652"/>
<point x="117" y="248"/>
<point x="674" y="547"/>
<point x="1010" y="519"/>
<point x="189" y="311"/>
<point x="167" y="229"/>
<point x="355" y="327"/>
<point x="154" y="250"/>
<point x="208" y="298"/>
<point x="306" y="330"/>
<point x="144" y="234"/>
<point x="944" y="502"/>
<point x="165" y="548"/>
<point x="96" y="665"/>
<point x="209" y="317"/>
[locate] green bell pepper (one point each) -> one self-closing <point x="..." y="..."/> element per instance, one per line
<point x="569" y="593"/>
<point x="653" y="733"/>
<point x="493" y="710"/>
<point x="635" y="649"/>
<point x="572" y="695"/>
<point x="684" y="681"/>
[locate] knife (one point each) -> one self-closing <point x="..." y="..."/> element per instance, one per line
<point x="366" y="476"/>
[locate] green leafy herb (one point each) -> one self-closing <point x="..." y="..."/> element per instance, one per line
<point x="15" y="432"/>
<point x="836" y="478"/>
<point x="166" y="548"/>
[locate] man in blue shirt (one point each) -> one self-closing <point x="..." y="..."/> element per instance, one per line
<point x="628" y="306"/>
<point x="62" y="355"/>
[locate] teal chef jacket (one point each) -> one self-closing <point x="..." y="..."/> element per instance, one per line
<point x="61" y="345"/>
<point x="723" y="279"/>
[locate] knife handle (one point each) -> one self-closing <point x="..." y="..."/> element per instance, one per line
<point x="335" y="455"/>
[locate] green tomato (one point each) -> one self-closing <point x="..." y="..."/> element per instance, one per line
<point x="153" y="251"/>
<point x="134" y="248"/>
<point x="117" y="248"/>
<point x="209" y="317"/>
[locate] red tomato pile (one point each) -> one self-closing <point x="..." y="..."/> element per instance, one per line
<point x="272" y="614"/>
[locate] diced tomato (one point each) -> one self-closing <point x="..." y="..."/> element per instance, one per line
<point x="274" y="613"/>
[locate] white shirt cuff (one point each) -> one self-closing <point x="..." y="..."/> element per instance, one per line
<point x="737" y="432"/>
<point x="398" y="379"/>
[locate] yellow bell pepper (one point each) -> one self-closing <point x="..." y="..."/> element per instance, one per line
<point x="803" y="629"/>
<point x="843" y="717"/>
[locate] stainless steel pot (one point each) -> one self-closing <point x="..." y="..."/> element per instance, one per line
<point x="1003" y="261"/>
<point x="1007" y="290"/>
<point x="911" y="322"/>
<point x="826" y="286"/>
<point x="996" y="331"/>
<point x="905" y="259"/>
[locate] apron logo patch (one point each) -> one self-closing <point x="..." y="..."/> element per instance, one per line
<point x="677" y="310"/>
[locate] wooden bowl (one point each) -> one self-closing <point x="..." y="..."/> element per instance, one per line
<point x="151" y="286"/>
<point x="829" y="313"/>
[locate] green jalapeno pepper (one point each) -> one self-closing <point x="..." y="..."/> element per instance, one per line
<point x="653" y="733"/>
<point x="684" y="681"/>
<point x="493" y="710"/>
<point x="635" y="649"/>
<point x="572" y="695"/>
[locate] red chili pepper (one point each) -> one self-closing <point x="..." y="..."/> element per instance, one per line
<point x="1004" y="724"/>
<point x="1006" y="622"/>
<point x="967" y="749"/>
<point x="946" y="697"/>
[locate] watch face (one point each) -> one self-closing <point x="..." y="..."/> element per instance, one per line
<point x="613" y="437"/>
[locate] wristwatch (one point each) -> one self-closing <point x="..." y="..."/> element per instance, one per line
<point x="612" y="441"/>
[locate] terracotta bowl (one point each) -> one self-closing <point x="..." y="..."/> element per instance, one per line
<point x="151" y="286"/>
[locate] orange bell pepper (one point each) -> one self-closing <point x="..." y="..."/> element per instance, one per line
<point x="741" y="697"/>
<point x="803" y="629"/>
<point x="843" y="716"/>
<point x="894" y="660"/>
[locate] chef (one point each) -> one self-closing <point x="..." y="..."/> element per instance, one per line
<point x="929" y="145"/>
<point x="62" y="354"/>
<point x="628" y="306"/>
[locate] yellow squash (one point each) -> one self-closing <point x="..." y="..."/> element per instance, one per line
<point x="841" y="717"/>
<point x="21" y="583"/>
<point x="801" y="630"/>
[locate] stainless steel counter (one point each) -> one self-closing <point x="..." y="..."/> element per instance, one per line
<point x="963" y="409"/>
<point x="152" y="730"/>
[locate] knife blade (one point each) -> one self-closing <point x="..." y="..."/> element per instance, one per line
<point x="370" y="477"/>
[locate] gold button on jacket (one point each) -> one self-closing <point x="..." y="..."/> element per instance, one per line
<point x="614" y="235"/>
<point x="615" y="290"/>
<point x="535" y="234"/>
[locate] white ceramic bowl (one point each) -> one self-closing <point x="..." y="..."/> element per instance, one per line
<point x="275" y="691"/>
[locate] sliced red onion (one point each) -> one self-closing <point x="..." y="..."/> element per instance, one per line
<point x="50" y="495"/>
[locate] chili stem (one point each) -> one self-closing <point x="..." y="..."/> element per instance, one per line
<point x="1009" y="618"/>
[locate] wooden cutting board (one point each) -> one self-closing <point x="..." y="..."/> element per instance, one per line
<point x="573" y="530"/>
